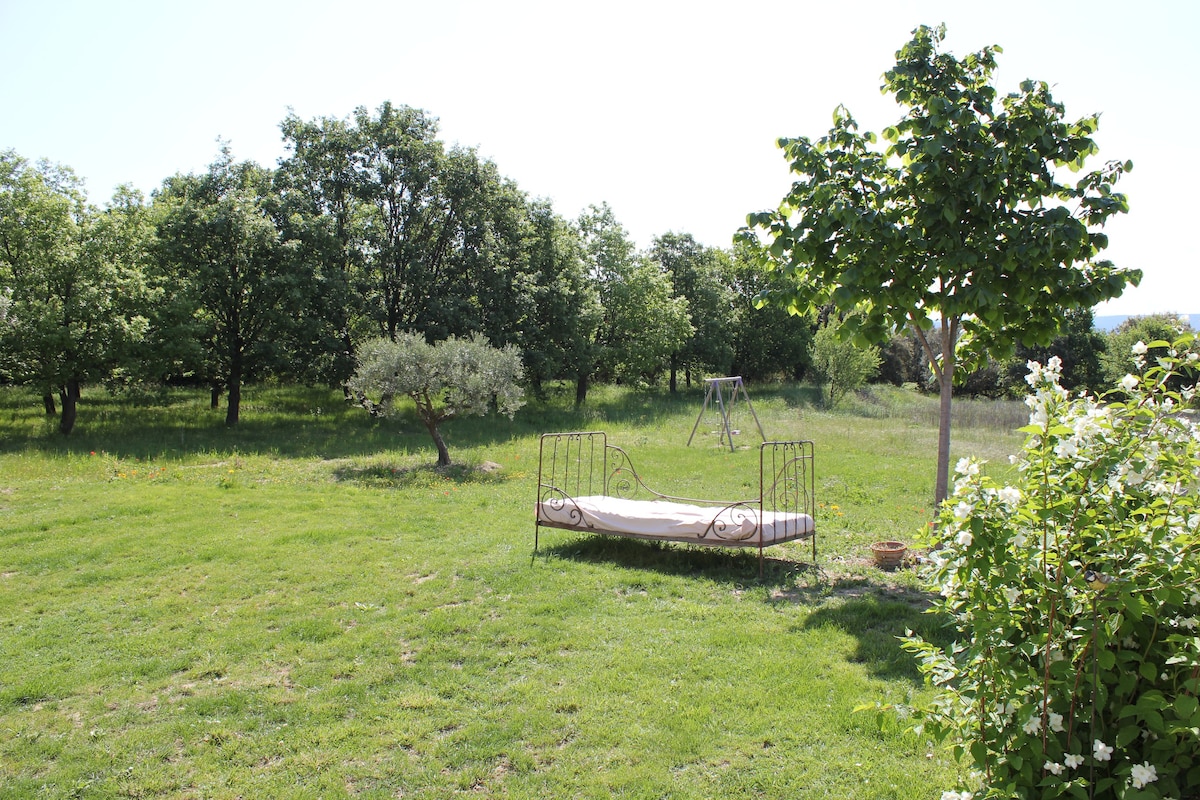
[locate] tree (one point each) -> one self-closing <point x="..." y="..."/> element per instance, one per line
<point x="701" y="276"/>
<point x="644" y="322"/>
<point x="318" y="186"/>
<point x="1080" y="349"/>
<point x="73" y="281"/>
<point x="840" y="363"/>
<point x="961" y="229"/>
<point x="768" y="341"/>
<point x="558" y="337"/>
<point x="449" y="379"/>
<point x="222" y="246"/>
<point x="1117" y="361"/>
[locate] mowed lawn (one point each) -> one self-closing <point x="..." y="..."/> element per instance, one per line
<point x="303" y="607"/>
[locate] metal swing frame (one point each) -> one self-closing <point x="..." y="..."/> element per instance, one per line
<point x="715" y="387"/>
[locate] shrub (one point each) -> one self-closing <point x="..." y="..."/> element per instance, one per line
<point x="841" y="364"/>
<point x="1077" y="594"/>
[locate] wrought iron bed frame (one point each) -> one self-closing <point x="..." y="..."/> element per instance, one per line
<point x="582" y="463"/>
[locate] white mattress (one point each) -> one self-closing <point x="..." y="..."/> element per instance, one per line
<point x="661" y="519"/>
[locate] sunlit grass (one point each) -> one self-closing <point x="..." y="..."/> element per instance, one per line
<point x="303" y="607"/>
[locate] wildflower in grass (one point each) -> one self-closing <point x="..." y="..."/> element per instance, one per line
<point x="1143" y="774"/>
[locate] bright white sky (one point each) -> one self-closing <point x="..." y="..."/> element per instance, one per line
<point x="666" y="110"/>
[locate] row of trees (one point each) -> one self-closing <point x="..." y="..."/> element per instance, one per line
<point x="370" y="226"/>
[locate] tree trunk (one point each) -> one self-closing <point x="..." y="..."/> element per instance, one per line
<point x="215" y="395"/>
<point x="943" y="370"/>
<point x="581" y="389"/>
<point x="69" y="397"/>
<point x="946" y="393"/>
<point x="674" y="369"/>
<point x="946" y="386"/>
<point x="48" y="404"/>
<point x="443" y="451"/>
<point x="233" y="408"/>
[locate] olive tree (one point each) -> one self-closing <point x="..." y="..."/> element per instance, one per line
<point x="451" y="378"/>
<point x="963" y="229"/>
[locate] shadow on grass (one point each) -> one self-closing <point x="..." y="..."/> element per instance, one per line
<point x="723" y="565"/>
<point x="302" y="422"/>
<point x="406" y="477"/>
<point x="877" y="616"/>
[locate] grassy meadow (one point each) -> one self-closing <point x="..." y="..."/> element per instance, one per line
<point x="303" y="607"/>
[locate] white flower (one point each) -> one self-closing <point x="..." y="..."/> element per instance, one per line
<point x="1019" y="539"/>
<point x="964" y="539"/>
<point x="1010" y="495"/>
<point x="966" y="466"/>
<point x="1139" y="348"/>
<point x="962" y="510"/>
<point x="1011" y="594"/>
<point x="1067" y="448"/>
<point x="1101" y="751"/>
<point x="1143" y="773"/>
<point x="1056" y="724"/>
<point x="1032" y="725"/>
<point x="1053" y="766"/>
<point x="1074" y="761"/>
<point x="1129" y="383"/>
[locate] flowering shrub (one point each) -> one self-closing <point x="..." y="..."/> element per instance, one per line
<point x="1077" y="594"/>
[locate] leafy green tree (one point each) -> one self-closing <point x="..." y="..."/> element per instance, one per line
<point x="1117" y="361"/>
<point x="318" y="187"/>
<point x="449" y="379"/>
<point x="73" y="281"/>
<point x="701" y="276"/>
<point x="768" y="340"/>
<point x="644" y="322"/>
<point x="841" y="364"/>
<point x="961" y="229"/>
<point x="557" y="339"/>
<point x="220" y="243"/>
<point x="1079" y="347"/>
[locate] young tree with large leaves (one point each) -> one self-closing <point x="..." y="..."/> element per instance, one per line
<point x="964" y="229"/>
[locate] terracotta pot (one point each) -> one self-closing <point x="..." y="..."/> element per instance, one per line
<point x="889" y="555"/>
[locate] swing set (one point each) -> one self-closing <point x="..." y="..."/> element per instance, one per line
<point x="715" y="395"/>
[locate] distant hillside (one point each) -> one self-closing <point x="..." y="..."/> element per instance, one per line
<point x="1110" y="322"/>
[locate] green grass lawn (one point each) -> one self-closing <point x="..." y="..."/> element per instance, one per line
<point x="303" y="607"/>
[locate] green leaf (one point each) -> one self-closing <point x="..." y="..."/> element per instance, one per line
<point x="1127" y="734"/>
